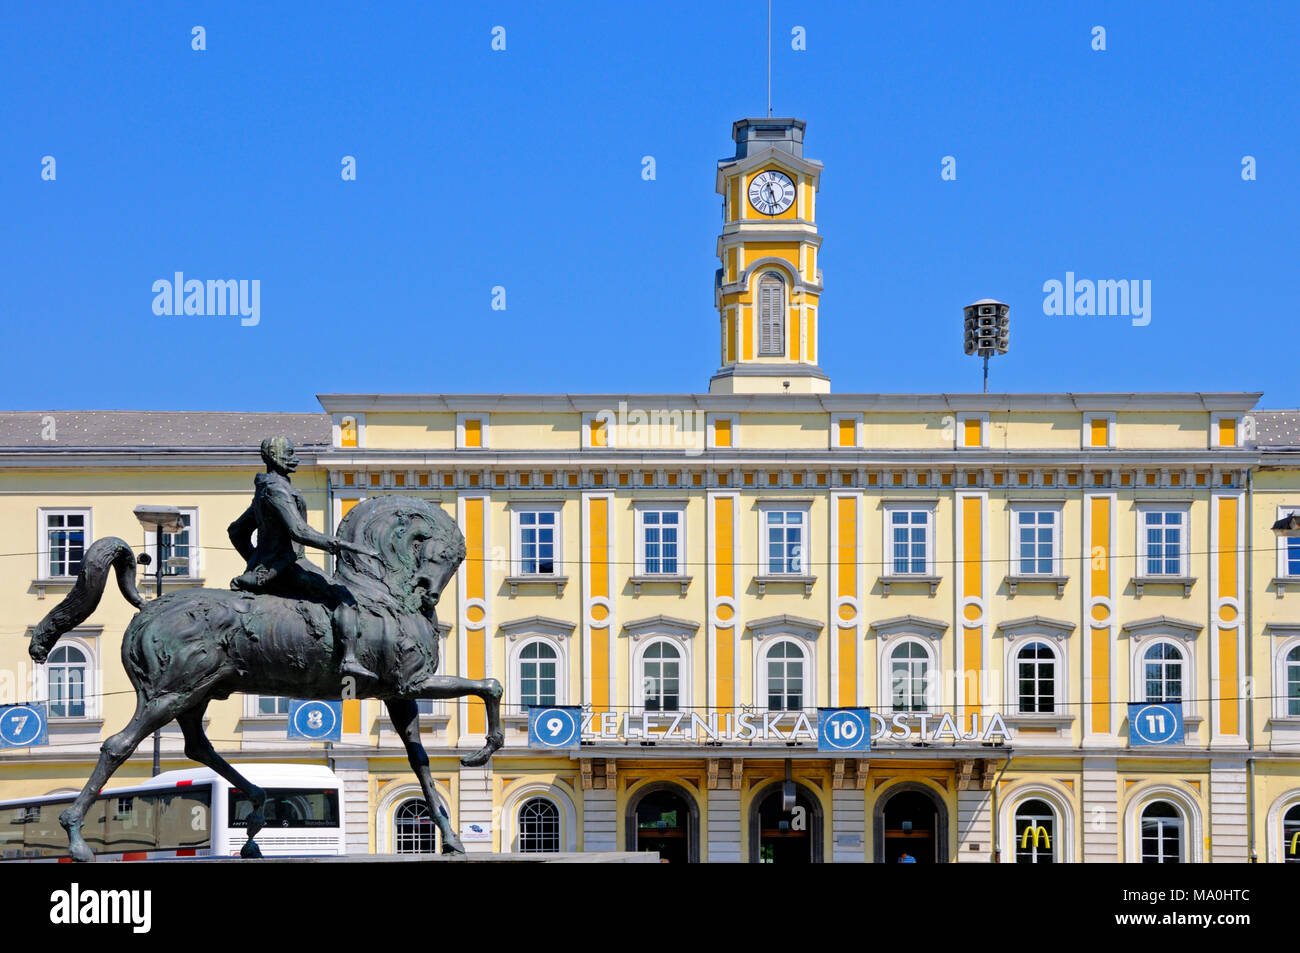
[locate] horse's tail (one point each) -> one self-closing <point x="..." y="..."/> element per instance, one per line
<point x="85" y="595"/>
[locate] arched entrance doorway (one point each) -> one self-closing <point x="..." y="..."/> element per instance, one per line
<point x="663" y="817"/>
<point x="910" y="820"/>
<point x="778" y="836"/>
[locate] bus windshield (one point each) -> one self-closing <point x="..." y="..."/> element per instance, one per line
<point x="289" y="807"/>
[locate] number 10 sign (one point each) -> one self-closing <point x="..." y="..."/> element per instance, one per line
<point x="1155" y="723"/>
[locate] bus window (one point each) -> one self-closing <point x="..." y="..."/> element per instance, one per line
<point x="129" y="823"/>
<point x="11" y="832"/>
<point x="289" y="807"/>
<point x="44" y="836"/>
<point x="185" y="818"/>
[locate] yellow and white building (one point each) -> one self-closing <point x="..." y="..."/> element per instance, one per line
<point x="683" y="564"/>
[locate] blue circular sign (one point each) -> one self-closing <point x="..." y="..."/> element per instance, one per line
<point x="20" y="726"/>
<point x="844" y="731"/>
<point x="314" y="720"/>
<point x="1156" y="724"/>
<point x="555" y="727"/>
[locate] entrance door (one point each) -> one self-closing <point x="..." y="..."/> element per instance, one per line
<point x="785" y="837"/>
<point x="911" y="821"/>
<point x="663" y="824"/>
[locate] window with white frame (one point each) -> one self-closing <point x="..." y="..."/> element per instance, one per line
<point x="1035" y="535"/>
<point x="1291" y="835"/>
<point x="1291" y="675"/>
<point x="909" y="542"/>
<point x="537" y="541"/>
<point x="785" y="532"/>
<point x="1163" y="542"/>
<point x="1162" y="829"/>
<point x="68" y="673"/>
<point x="539" y="826"/>
<point x="1035" y="832"/>
<point x="65" y="534"/>
<point x="1291" y="555"/>
<point x="414" y="831"/>
<point x="771" y="315"/>
<point x="271" y="705"/>
<point x="539" y="664"/>
<point x="1162" y="672"/>
<point x="1035" y="678"/>
<point x="909" y="676"/>
<point x="659" y="541"/>
<point x="180" y="551"/>
<point x="661" y="672"/>
<point x="784" y="667"/>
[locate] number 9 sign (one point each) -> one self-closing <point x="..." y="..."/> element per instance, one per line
<point x="844" y="729"/>
<point x="1155" y="724"/>
<point x="22" y="726"/>
<point x="556" y="727"/>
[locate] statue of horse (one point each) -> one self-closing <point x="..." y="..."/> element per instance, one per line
<point x="193" y="645"/>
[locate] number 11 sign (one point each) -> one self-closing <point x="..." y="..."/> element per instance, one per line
<point x="1155" y="723"/>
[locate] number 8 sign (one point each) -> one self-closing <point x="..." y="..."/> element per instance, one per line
<point x="556" y="727"/>
<point x="315" y="720"/>
<point x="844" y="729"/>
<point x="1155" y="723"/>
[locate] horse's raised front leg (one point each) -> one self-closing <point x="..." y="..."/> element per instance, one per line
<point x="149" y="717"/>
<point x="405" y="714"/>
<point x="199" y="748"/>
<point x="488" y="689"/>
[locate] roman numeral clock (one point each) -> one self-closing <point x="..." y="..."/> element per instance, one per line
<point x="771" y="192"/>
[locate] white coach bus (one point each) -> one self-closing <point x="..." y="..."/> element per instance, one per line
<point x="190" y="813"/>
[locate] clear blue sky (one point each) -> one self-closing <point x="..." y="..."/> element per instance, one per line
<point x="523" y="169"/>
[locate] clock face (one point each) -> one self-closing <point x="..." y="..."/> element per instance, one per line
<point x="771" y="192"/>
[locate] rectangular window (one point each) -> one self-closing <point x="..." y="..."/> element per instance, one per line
<point x="64" y="541"/>
<point x="661" y="542"/>
<point x="1036" y="542"/>
<point x="180" y="551"/>
<point x="272" y="705"/>
<point x="909" y="531"/>
<point x="1163" y="542"/>
<point x="784" y="533"/>
<point x="1292" y="555"/>
<point x="537" y="542"/>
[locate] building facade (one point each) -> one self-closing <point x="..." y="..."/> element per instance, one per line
<point x="996" y="576"/>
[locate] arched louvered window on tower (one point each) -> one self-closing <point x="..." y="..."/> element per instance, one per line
<point x="771" y="316"/>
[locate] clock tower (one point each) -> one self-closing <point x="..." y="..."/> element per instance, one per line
<point x="768" y="287"/>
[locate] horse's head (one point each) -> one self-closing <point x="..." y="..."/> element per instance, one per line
<point x="420" y="548"/>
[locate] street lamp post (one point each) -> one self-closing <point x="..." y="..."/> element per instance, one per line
<point x="162" y="519"/>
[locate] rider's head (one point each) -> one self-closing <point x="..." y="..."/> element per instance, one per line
<point x="279" y="454"/>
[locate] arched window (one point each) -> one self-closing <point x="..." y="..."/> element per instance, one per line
<point x="1293" y="681"/>
<point x="1036" y="678"/>
<point x="1291" y="835"/>
<point x="785" y="676"/>
<point x="1162" y="673"/>
<point x="1162" y="834"/>
<point x="67" y="679"/>
<point x="538" y="662"/>
<point x="1035" y="833"/>
<point x="909" y="676"/>
<point x="771" y="316"/>
<point x="413" y="829"/>
<point x="539" y="826"/>
<point x="661" y="670"/>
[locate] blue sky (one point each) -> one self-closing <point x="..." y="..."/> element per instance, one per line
<point x="522" y="169"/>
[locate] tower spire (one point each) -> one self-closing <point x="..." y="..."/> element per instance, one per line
<point x="769" y="57"/>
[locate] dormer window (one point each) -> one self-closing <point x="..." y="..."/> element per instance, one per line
<point x="771" y="316"/>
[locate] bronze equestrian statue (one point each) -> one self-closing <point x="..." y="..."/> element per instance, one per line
<point x="286" y="628"/>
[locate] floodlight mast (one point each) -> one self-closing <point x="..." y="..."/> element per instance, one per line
<point x="988" y="329"/>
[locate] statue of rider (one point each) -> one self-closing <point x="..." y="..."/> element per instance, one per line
<point x="276" y="564"/>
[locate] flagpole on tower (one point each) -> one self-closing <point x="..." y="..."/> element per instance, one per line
<point x="769" y="57"/>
